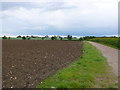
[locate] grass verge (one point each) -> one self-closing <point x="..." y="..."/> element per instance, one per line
<point x="108" y="41"/>
<point x="107" y="45"/>
<point x="89" y="71"/>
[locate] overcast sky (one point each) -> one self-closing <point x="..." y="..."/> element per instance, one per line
<point x="51" y="17"/>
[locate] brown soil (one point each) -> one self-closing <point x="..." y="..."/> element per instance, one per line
<point x="25" y="63"/>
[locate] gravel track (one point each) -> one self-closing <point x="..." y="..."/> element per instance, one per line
<point x="110" y="54"/>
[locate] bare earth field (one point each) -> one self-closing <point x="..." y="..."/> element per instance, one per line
<point x="25" y="63"/>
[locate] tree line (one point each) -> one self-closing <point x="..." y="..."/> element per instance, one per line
<point x="68" y="37"/>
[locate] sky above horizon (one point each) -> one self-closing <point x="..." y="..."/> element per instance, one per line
<point x="50" y="17"/>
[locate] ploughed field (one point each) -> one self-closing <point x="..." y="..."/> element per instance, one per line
<point x="25" y="63"/>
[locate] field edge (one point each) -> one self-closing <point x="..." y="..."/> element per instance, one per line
<point x="89" y="71"/>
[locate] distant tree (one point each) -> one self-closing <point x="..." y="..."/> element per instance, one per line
<point x="8" y="37"/>
<point x="55" y="37"/>
<point x="33" y="36"/>
<point x="69" y="37"/>
<point x="19" y="36"/>
<point x="88" y="37"/>
<point x="113" y="36"/>
<point x="81" y="39"/>
<point x="28" y="38"/>
<point x="52" y="38"/>
<point x="43" y="38"/>
<point x="24" y="38"/>
<point x="46" y="36"/>
<point x="4" y="37"/>
<point x="60" y="38"/>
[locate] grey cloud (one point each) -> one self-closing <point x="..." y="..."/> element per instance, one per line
<point x="57" y="6"/>
<point x="46" y="6"/>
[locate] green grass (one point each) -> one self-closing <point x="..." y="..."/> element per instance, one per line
<point x="89" y="71"/>
<point x="109" y="41"/>
<point x="12" y="38"/>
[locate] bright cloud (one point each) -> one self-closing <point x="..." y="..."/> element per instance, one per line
<point x="67" y="16"/>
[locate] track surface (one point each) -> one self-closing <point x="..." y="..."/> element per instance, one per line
<point x="25" y="63"/>
<point x="111" y="54"/>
